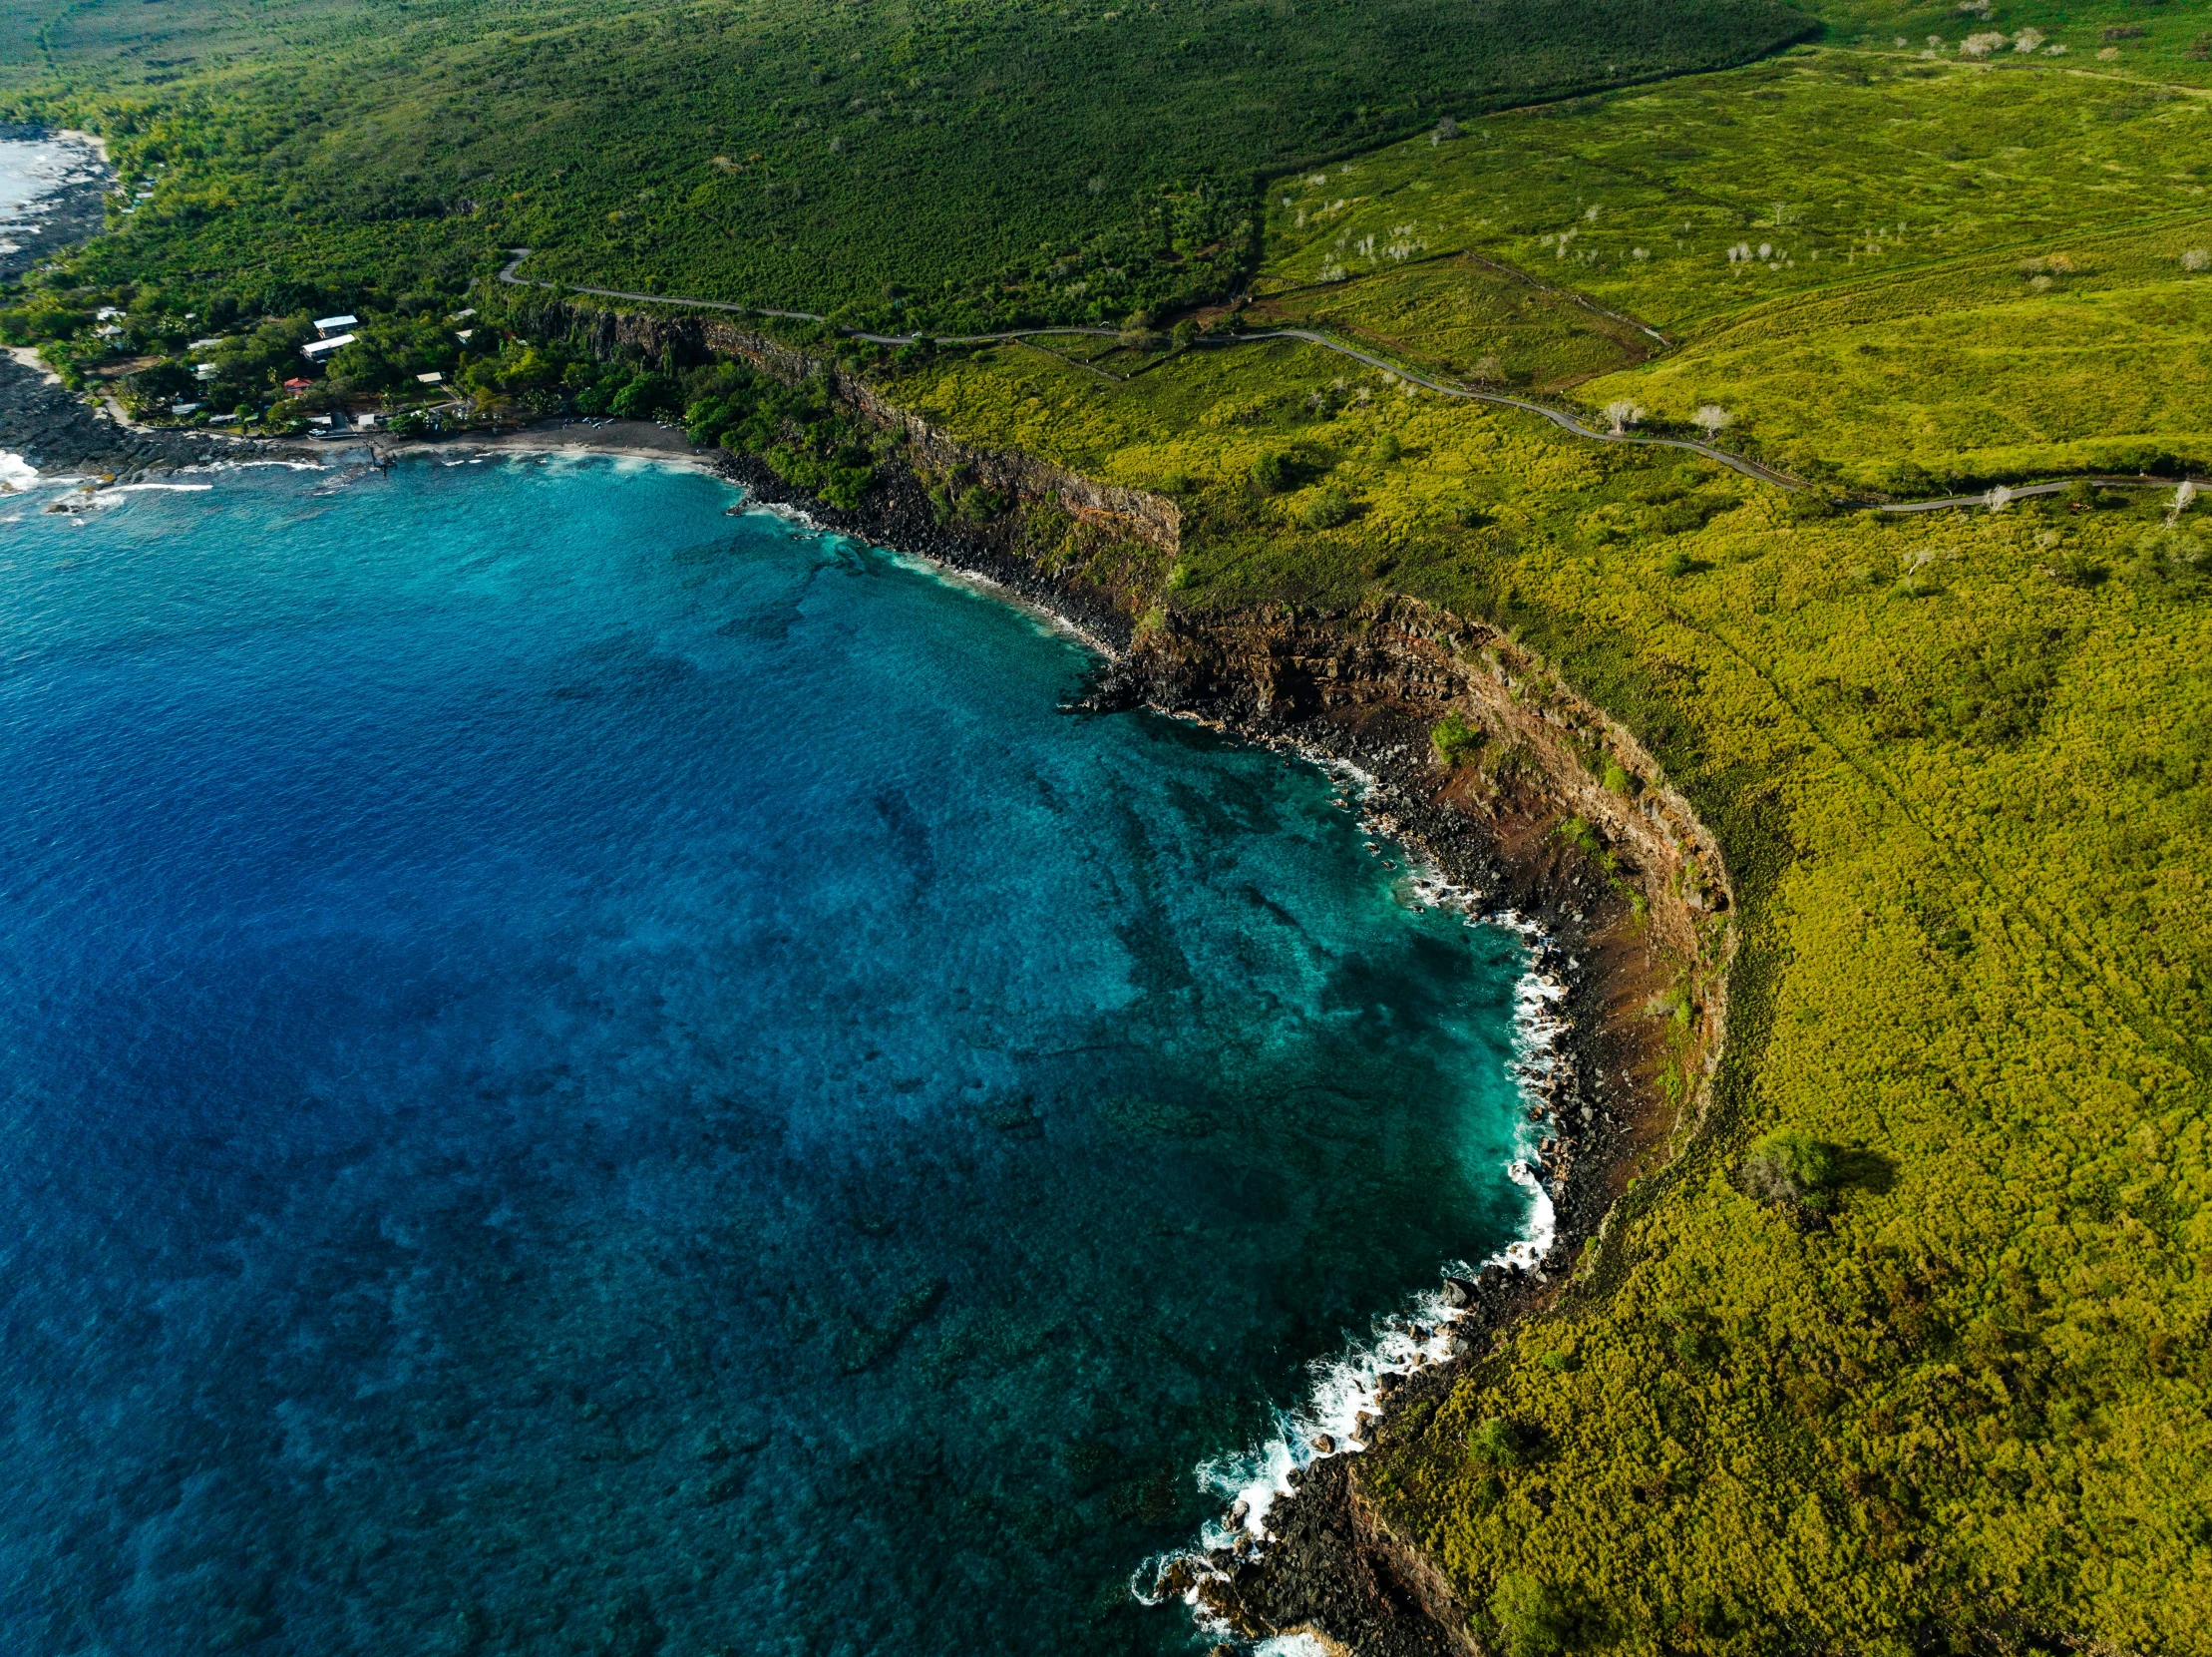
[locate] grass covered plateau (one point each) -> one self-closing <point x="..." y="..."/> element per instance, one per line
<point x="1883" y="272"/>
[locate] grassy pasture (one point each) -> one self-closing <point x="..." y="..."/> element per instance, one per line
<point x="2155" y="43"/>
<point x="1842" y="165"/>
<point x="1983" y="368"/>
<point x="1889" y="272"/>
<point x="1466" y="319"/>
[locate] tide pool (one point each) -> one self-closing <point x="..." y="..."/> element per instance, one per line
<point x="583" y="1075"/>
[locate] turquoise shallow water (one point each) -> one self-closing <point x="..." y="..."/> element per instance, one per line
<point x="589" y="1076"/>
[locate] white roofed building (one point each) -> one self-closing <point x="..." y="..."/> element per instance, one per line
<point x="328" y="325"/>
<point x="316" y="349"/>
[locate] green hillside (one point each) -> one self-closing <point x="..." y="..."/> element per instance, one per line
<point x="1886" y="271"/>
<point x="958" y="163"/>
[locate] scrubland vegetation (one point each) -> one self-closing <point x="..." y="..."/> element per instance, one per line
<point x="1892" y="273"/>
<point x="964" y="166"/>
<point x="1953" y="1393"/>
<point x="1908" y="1347"/>
<point x="1901" y="1346"/>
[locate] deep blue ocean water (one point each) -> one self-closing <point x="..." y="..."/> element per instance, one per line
<point x="583" y="1075"/>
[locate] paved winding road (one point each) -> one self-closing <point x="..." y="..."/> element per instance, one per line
<point x="1557" y="417"/>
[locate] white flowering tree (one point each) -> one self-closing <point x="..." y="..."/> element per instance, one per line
<point x="1712" y="420"/>
<point x="1621" y="414"/>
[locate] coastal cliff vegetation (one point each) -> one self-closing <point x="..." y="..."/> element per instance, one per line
<point x="1908" y="1342"/>
<point x="1897" y="1339"/>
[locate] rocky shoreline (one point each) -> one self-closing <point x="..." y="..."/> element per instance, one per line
<point x="65" y="216"/>
<point x="51" y="427"/>
<point x="1366" y="687"/>
<point x="1633" y="908"/>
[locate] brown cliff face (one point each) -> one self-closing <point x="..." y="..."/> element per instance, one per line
<point x="1285" y="666"/>
<point x="1560" y="815"/>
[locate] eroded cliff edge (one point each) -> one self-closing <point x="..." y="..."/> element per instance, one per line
<point x="1515" y="785"/>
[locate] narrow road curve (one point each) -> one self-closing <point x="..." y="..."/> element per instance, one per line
<point x="1566" y="422"/>
<point x="1993" y="499"/>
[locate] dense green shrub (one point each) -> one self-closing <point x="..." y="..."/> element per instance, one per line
<point x="1531" y="1616"/>
<point x="1455" y="740"/>
<point x="1497" y="1442"/>
<point x="1327" y="509"/>
<point x="1790" y="1166"/>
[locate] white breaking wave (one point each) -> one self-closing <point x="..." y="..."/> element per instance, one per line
<point x="16" y="473"/>
<point x="33" y="168"/>
<point x="247" y="465"/>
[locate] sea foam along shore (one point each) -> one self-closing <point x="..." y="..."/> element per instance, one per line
<point x="53" y="191"/>
<point x="1337" y="1416"/>
<point x="79" y="491"/>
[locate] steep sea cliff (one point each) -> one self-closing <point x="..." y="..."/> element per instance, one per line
<point x="1580" y="838"/>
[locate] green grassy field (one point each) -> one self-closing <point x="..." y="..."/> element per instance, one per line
<point x="1842" y="165"/>
<point x="1889" y="272"/>
<point x="1466" y="319"/>
<point x="1988" y="367"/>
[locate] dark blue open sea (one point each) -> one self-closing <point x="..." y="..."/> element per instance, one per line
<point x="583" y="1075"/>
